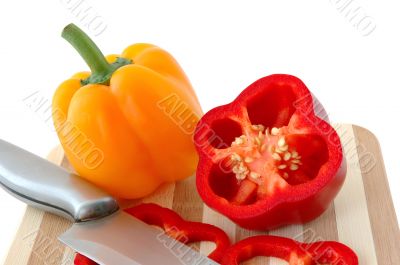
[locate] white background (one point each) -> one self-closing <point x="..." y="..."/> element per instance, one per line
<point x="223" y="46"/>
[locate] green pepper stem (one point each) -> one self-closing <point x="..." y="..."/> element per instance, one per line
<point x="94" y="58"/>
<point x="89" y="51"/>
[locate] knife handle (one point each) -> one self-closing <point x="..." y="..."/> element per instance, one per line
<point x="51" y="188"/>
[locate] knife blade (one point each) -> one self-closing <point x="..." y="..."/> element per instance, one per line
<point x="101" y="230"/>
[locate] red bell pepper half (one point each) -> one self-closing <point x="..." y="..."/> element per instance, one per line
<point x="175" y="227"/>
<point x="296" y="253"/>
<point x="267" y="159"/>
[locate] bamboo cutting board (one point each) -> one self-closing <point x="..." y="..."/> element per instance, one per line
<point x="362" y="216"/>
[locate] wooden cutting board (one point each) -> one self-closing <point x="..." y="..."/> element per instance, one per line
<point x="362" y="216"/>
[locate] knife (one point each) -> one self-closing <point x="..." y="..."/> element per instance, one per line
<point x="101" y="230"/>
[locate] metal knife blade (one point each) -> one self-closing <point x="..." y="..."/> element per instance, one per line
<point x="101" y="231"/>
<point x="130" y="241"/>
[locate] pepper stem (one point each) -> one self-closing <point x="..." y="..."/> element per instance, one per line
<point x="94" y="58"/>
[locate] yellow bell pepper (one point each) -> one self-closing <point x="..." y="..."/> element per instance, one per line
<point x="127" y="126"/>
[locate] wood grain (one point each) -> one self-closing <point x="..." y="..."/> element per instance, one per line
<point x="385" y="228"/>
<point x="46" y="247"/>
<point x="362" y="216"/>
<point x="22" y="246"/>
<point x="353" y="223"/>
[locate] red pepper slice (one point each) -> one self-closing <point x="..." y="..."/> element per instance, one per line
<point x="296" y="253"/>
<point x="82" y="260"/>
<point x="267" y="159"/>
<point x="175" y="227"/>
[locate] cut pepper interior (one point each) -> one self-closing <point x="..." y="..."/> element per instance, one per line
<point x="264" y="152"/>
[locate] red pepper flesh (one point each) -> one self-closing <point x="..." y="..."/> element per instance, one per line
<point x="82" y="260"/>
<point x="176" y="227"/>
<point x="267" y="159"/>
<point x="294" y="252"/>
<point x="182" y="230"/>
